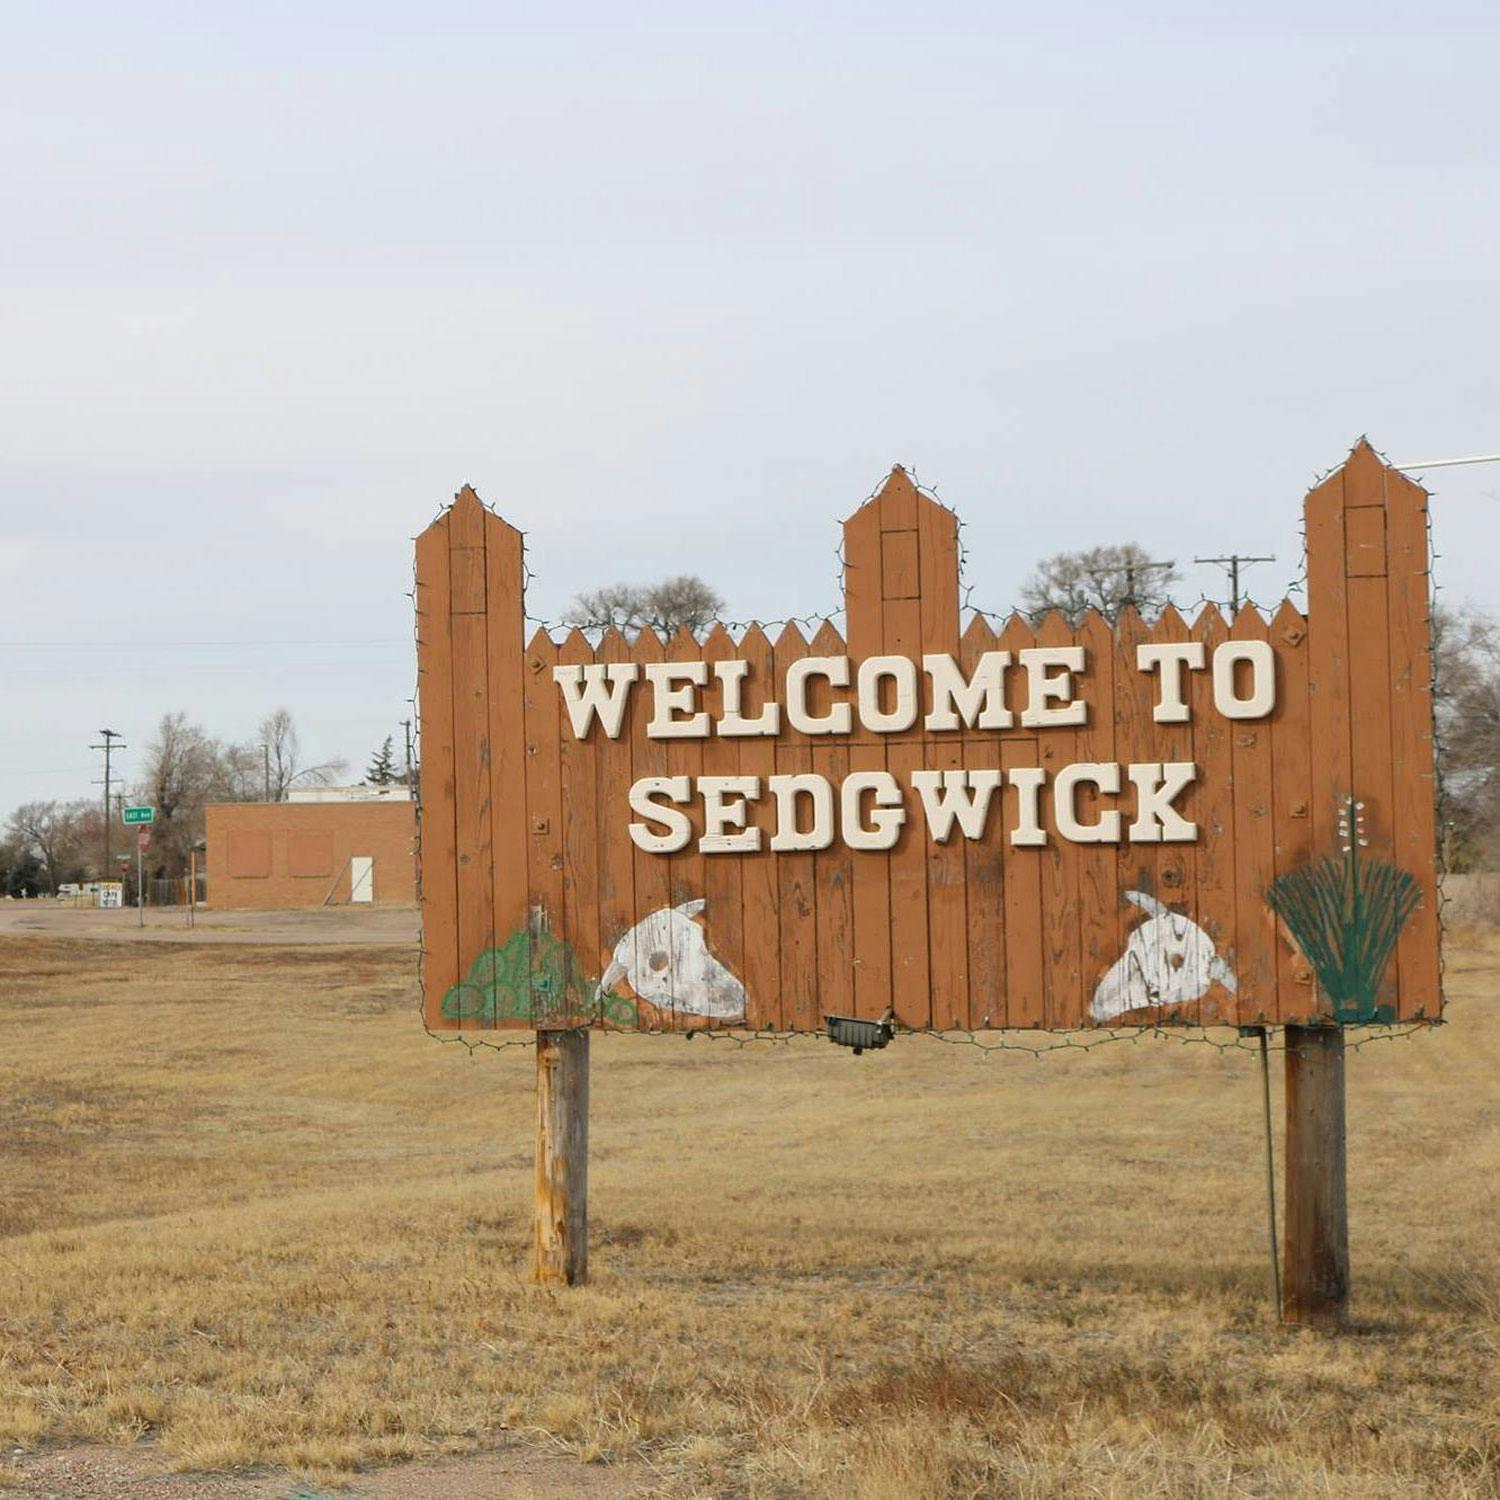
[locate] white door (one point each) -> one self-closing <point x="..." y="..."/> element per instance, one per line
<point x="361" y="878"/>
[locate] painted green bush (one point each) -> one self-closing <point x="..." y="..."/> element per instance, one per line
<point x="1346" y="914"/>
<point x="532" y="977"/>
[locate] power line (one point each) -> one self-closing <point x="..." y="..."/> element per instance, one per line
<point x="1232" y="565"/>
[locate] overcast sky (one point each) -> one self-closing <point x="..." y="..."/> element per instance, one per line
<point x="673" y="285"/>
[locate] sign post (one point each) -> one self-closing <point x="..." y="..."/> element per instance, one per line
<point x="932" y="821"/>
<point x="140" y="818"/>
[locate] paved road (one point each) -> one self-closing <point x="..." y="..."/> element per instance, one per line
<point x="328" y="924"/>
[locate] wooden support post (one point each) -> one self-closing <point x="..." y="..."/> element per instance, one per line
<point x="562" y="1158"/>
<point x="1317" y="1205"/>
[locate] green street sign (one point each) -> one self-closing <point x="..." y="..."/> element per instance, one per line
<point x="140" y="814"/>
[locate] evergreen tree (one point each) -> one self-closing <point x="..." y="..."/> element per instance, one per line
<point x="382" y="769"/>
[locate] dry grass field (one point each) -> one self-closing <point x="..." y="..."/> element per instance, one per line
<point x="249" y="1210"/>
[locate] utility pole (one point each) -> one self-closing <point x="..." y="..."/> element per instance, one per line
<point x="406" y="728"/>
<point x="108" y="747"/>
<point x="1131" y="569"/>
<point x="1232" y="565"/>
<point x="266" y="761"/>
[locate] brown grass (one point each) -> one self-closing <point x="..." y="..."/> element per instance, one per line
<point x="249" y="1208"/>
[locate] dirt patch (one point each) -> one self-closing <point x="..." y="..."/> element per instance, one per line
<point x="144" y="1473"/>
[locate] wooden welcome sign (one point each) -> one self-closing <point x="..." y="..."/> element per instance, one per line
<point x="1114" y="823"/>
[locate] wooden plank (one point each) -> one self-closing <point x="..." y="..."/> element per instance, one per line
<point x="685" y="870"/>
<point x="648" y="757"/>
<point x="1291" y="798"/>
<point x="911" y="969"/>
<point x="1137" y="865"/>
<point x="947" y="905"/>
<point x="1327" y="661"/>
<point x="760" y="891"/>
<point x="871" y="873"/>
<point x="1256" y="938"/>
<point x="947" y="902"/>
<point x="617" y="904"/>
<point x="1176" y="864"/>
<point x="723" y="886"/>
<point x="1025" y="982"/>
<point x="579" y="772"/>
<point x="551" y="1000"/>
<point x="1413" y="770"/>
<point x="1025" y="987"/>
<point x="795" y="878"/>
<point x="505" y="638"/>
<point x="437" y="809"/>
<point x="833" y="869"/>
<point x="471" y="745"/>
<point x="1098" y="884"/>
<point x="984" y="861"/>
<point x="1062" y="953"/>
<point x="1214" y="878"/>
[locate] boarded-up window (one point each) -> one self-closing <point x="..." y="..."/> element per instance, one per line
<point x="310" y="854"/>
<point x="249" y="854"/>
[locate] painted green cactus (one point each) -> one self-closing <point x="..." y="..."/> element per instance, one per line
<point x="532" y="977"/>
<point x="1346" y="915"/>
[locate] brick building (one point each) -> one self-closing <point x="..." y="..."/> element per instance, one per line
<point x="325" y="850"/>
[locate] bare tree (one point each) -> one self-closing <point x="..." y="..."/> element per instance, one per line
<point x="282" y="754"/>
<point x="183" y="770"/>
<point x="1102" y="578"/>
<point x="54" y="834"/>
<point x="1467" y="709"/>
<point x="665" y="607"/>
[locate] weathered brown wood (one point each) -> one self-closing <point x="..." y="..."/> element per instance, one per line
<point x="871" y="868"/>
<point x="833" y="875"/>
<point x="1061" y="931"/>
<point x="1414" y="812"/>
<point x="1316" y="1258"/>
<point x="760" y="890"/>
<point x="1291" y="804"/>
<point x="984" y="868"/>
<point x="438" y="847"/>
<point x="560" y="1254"/>
<point x="526" y="826"/>
<point x="1213" y="806"/>
<point x="1257" y="941"/>
<point x="796" y="893"/>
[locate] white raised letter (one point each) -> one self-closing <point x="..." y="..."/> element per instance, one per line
<point x="965" y="799"/>
<point x="885" y="817"/>
<point x="840" y="717"/>
<point x="667" y="699"/>
<point x="1042" y="688"/>
<point x="1156" y="788"/>
<point x="596" y="688"/>
<point x="786" y="790"/>
<point x="1169" y="658"/>
<point x="978" y="701"/>
<point x="902" y="671"/>
<point x="679" y="826"/>
<point x="1262" y="698"/>
<point x="720" y="816"/>
<point x="1027" y="781"/>
<point x="731" y="675"/>
<point x="1106" y="776"/>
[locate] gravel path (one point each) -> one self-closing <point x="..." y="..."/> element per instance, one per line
<point x="144" y="1473"/>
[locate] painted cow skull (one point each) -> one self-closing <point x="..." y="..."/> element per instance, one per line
<point x="1169" y="960"/>
<point x="665" y="960"/>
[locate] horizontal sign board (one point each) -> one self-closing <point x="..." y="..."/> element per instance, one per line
<point x="965" y="825"/>
<point x="139" y="815"/>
